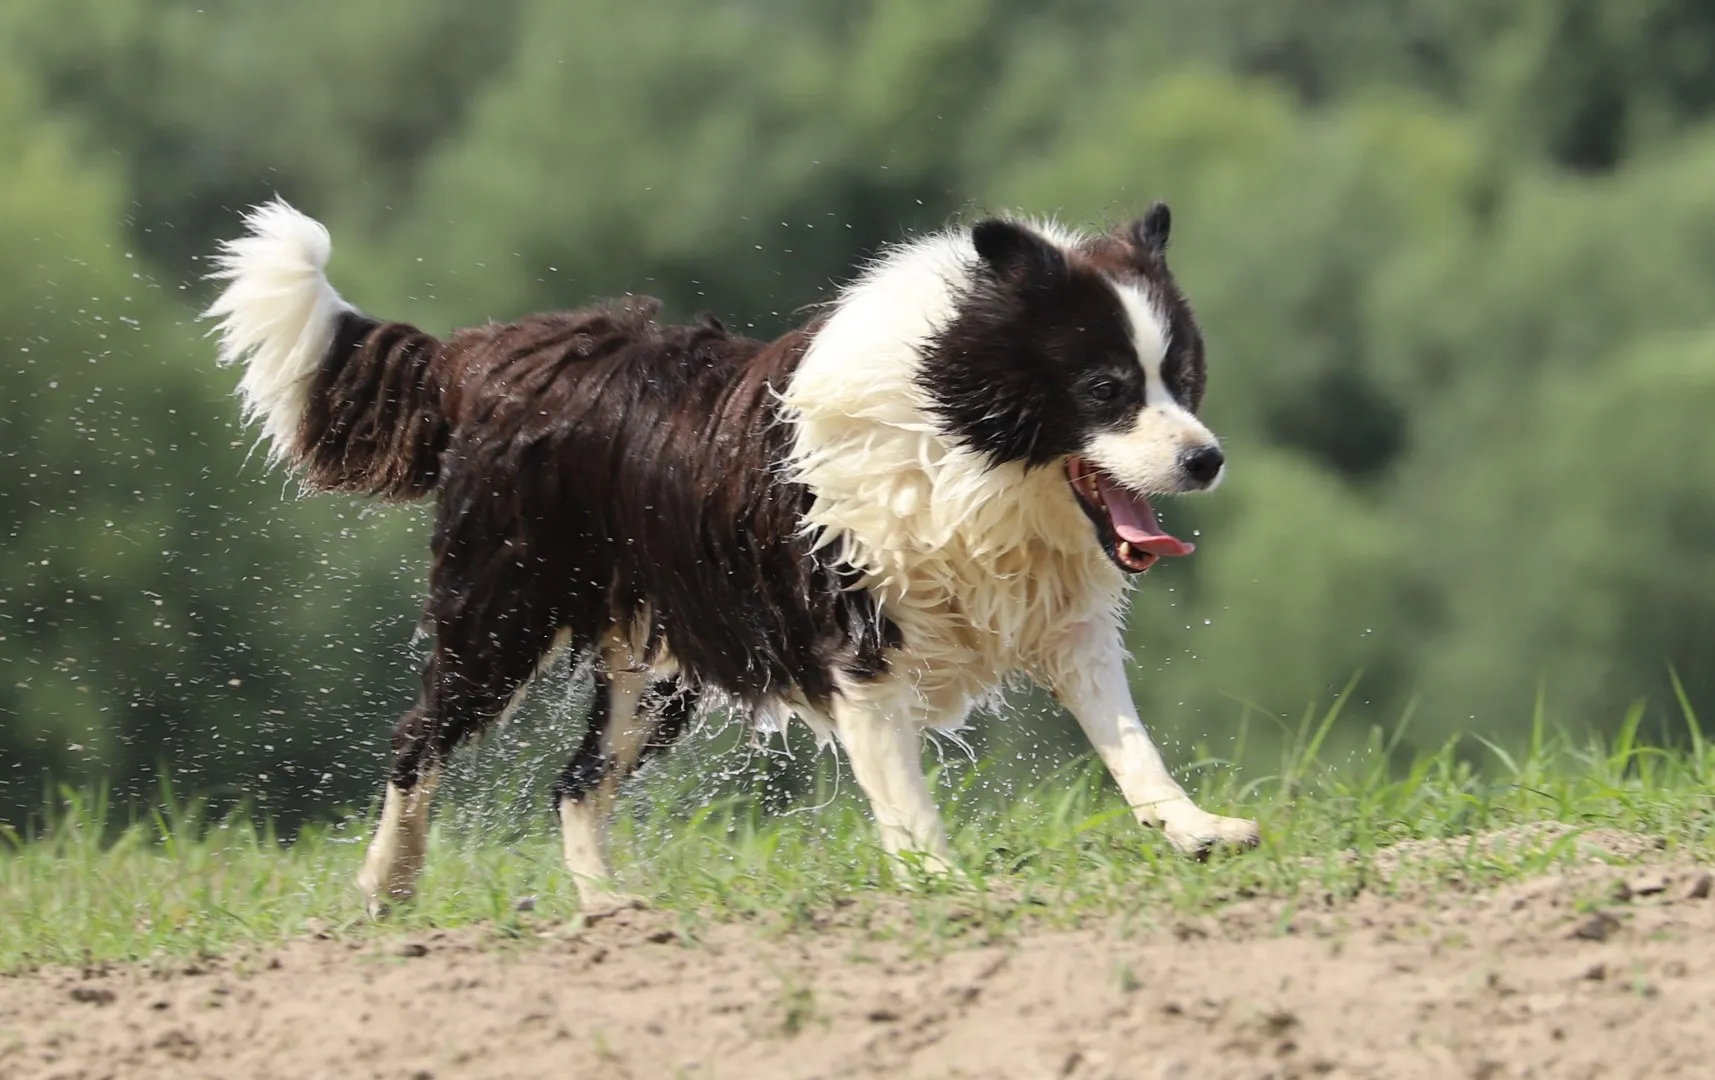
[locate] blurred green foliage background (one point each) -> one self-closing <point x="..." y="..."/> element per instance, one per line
<point x="1455" y="260"/>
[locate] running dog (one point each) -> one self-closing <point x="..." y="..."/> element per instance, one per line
<point x="941" y="481"/>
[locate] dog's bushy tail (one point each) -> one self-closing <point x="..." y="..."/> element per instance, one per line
<point x="351" y="401"/>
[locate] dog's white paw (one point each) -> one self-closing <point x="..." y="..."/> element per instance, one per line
<point x="379" y="898"/>
<point x="1197" y="832"/>
<point x="928" y="864"/>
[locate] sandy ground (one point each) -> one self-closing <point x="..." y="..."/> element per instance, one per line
<point x="1532" y="979"/>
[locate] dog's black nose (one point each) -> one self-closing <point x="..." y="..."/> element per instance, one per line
<point x="1203" y="463"/>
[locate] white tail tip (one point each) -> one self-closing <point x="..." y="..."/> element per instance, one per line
<point x="277" y="313"/>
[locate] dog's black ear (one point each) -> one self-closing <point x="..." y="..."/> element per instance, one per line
<point x="1150" y="231"/>
<point x="1013" y="250"/>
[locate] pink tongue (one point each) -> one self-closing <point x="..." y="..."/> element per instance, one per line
<point x="1135" y="523"/>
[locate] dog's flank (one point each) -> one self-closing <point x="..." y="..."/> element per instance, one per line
<point x="870" y="522"/>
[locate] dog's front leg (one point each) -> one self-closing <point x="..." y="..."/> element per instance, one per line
<point x="1093" y="686"/>
<point x="886" y="752"/>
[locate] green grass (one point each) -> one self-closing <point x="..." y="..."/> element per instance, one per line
<point x="1061" y="851"/>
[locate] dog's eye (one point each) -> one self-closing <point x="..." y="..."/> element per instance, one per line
<point x="1104" y="390"/>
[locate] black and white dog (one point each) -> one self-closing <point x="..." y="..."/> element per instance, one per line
<point x="870" y="523"/>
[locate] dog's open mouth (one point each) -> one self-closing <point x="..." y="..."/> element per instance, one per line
<point x="1125" y="523"/>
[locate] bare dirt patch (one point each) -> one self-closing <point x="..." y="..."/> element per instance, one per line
<point x="1600" y="971"/>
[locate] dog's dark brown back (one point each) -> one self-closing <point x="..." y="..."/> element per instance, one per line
<point x="597" y="472"/>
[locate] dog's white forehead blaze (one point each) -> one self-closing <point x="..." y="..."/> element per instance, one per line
<point x="1149" y="336"/>
<point x="1067" y="240"/>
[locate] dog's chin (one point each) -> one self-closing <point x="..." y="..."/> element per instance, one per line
<point x="1125" y="522"/>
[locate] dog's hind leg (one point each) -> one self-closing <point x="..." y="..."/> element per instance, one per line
<point x="479" y="669"/>
<point x="396" y="851"/>
<point x="633" y="717"/>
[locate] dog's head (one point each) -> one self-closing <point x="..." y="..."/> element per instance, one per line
<point x="1081" y="354"/>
